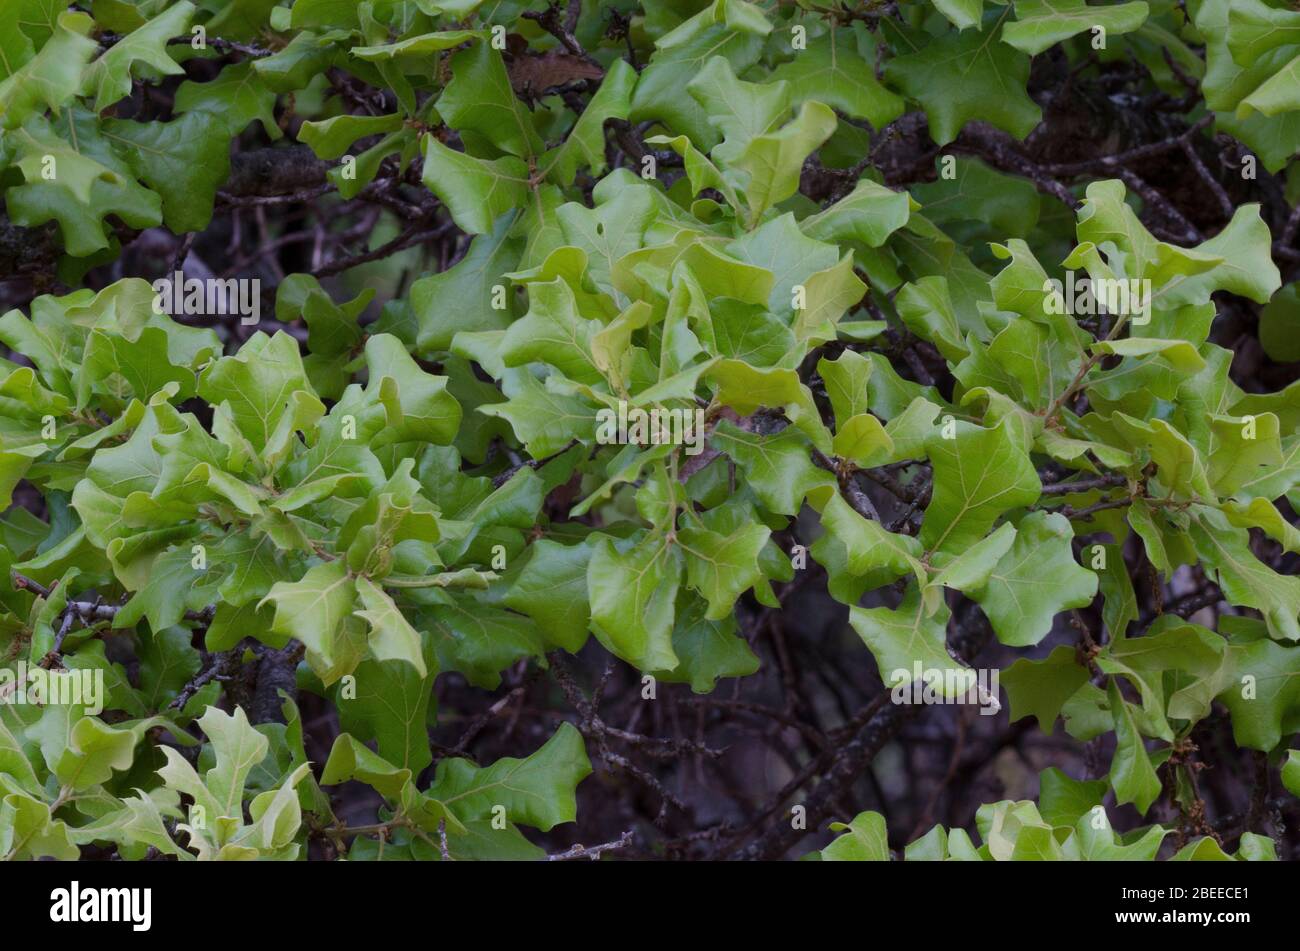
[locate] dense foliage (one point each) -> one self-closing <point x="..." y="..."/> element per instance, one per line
<point x="365" y="569"/>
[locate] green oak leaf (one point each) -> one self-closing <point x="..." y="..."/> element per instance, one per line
<point x="979" y="475"/>
<point x="109" y="76"/>
<point x="967" y="76"/>
<point x="1040" y="688"/>
<point x="1034" y="581"/>
<point x="537" y="791"/>
<point x="1040" y="24"/>
<point x="633" y="592"/>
